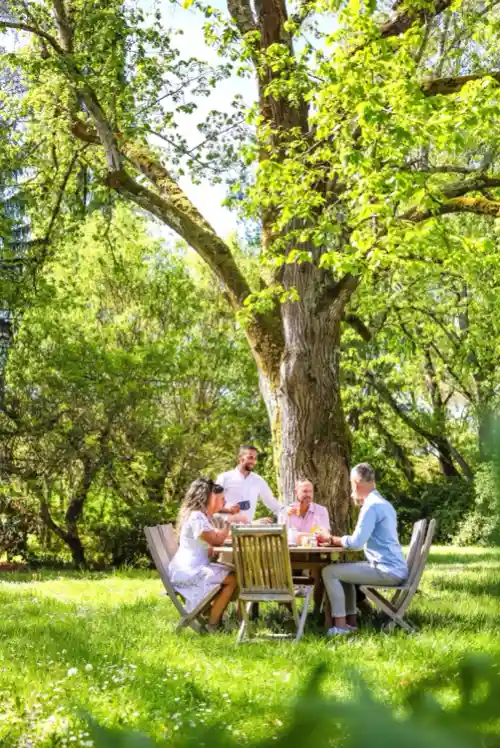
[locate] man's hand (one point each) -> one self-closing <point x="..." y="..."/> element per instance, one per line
<point x="323" y="538"/>
<point x="233" y="509"/>
<point x="294" y="509"/>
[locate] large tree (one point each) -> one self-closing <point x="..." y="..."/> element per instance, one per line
<point x="361" y="138"/>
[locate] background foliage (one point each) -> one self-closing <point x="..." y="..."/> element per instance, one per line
<point x="123" y="371"/>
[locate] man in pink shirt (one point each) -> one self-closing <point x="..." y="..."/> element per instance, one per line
<point x="304" y="515"/>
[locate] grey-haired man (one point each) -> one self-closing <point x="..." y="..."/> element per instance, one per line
<point x="375" y="532"/>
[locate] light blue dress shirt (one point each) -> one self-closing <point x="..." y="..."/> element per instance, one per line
<point x="377" y="533"/>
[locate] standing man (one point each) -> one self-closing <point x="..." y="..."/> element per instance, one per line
<point x="375" y="532"/>
<point x="243" y="487"/>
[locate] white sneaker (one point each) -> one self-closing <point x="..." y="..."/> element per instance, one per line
<point x="334" y="631"/>
<point x="351" y="628"/>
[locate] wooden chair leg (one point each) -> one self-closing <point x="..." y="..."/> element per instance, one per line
<point x="185" y="622"/>
<point x="386" y="607"/>
<point x="303" y="617"/>
<point x="192" y="618"/>
<point x="245" y="624"/>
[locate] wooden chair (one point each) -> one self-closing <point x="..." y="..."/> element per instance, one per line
<point x="264" y="573"/>
<point x="397" y="606"/>
<point x="162" y="544"/>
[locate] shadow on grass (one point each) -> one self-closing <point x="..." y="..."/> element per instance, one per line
<point x="27" y="576"/>
<point x="50" y="631"/>
<point x="487" y="556"/>
<point x="467" y="586"/>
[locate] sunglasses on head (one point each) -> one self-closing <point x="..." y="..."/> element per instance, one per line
<point x="213" y="486"/>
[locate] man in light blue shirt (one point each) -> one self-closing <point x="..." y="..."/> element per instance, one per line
<point x="376" y="532"/>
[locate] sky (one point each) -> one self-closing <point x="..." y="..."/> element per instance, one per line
<point x="208" y="198"/>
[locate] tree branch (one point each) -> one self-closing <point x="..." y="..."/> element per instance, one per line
<point x="63" y="25"/>
<point x="242" y="15"/>
<point x="446" y="86"/>
<point x="458" y="382"/>
<point x="60" y="194"/>
<point x="33" y="30"/>
<point x="89" y="100"/>
<point x="174" y="209"/>
<point x="359" y="326"/>
<point x="477" y="205"/>
<point x="472" y="185"/>
<point x="437" y="441"/>
<point x="443" y="169"/>
<point x="49" y="522"/>
<point x="404" y="19"/>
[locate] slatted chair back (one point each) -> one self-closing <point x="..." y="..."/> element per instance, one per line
<point x="418" y="568"/>
<point x="169" y="538"/>
<point x="412" y="558"/>
<point x="396" y="607"/>
<point x="160" y="556"/>
<point x="262" y="563"/>
<point x="162" y="544"/>
<point x="416" y="543"/>
<point x="264" y="573"/>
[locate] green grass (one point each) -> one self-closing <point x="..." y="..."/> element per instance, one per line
<point x="105" y="644"/>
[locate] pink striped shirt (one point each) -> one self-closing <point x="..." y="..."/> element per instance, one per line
<point x="315" y="515"/>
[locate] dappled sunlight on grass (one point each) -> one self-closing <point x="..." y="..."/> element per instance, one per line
<point x="106" y="643"/>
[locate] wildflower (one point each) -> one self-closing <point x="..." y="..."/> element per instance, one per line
<point x="89" y="667"/>
<point x="72" y="671"/>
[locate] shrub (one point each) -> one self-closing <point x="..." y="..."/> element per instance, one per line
<point x="17" y="522"/>
<point x="122" y="541"/>
<point x="481" y="525"/>
<point x="447" y="500"/>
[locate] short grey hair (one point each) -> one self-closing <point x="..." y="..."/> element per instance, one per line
<point x="364" y="472"/>
<point x="303" y="479"/>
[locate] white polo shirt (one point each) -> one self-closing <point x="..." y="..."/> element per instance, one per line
<point x="238" y="487"/>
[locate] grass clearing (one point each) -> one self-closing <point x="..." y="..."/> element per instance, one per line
<point x="105" y="644"/>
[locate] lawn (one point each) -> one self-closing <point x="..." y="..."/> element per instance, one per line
<point x="105" y="644"/>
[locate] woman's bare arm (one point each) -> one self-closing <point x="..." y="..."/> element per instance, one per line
<point x="215" y="537"/>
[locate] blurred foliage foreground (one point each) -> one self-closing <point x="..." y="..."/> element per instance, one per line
<point x="451" y="710"/>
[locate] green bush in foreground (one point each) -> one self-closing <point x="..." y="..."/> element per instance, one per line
<point x="321" y="721"/>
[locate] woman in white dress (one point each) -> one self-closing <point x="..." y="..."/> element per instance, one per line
<point x="191" y="572"/>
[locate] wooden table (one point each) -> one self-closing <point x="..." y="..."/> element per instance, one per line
<point x="310" y="559"/>
<point x="306" y="558"/>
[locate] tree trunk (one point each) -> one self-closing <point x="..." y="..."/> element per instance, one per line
<point x="486" y="432"/>
<point x="77" y="550"/>
<point x="309" y="430"/>
<point x="441" y="445"/>
<point x="395" y="449"/>
<point x="69" y="534"/>
<point x="445" y="459"/>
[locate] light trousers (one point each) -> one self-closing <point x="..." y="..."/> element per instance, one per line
<point x="340" y="579"/>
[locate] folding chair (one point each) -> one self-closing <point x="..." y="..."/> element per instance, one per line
<point x="397" y="606"/>
<point x="264" y="573"/>
<point x="162" y="544"/>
